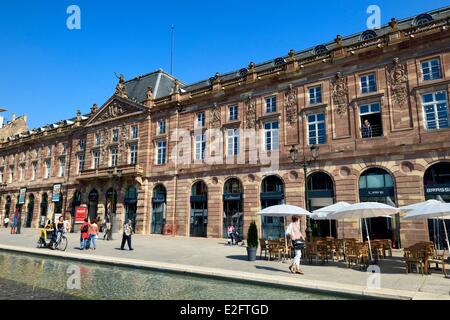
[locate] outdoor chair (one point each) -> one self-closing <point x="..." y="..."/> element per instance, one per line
<point x="414" y="259"/>
<point x="438" y="258"/>
<point x="275" y="250"/>
<point x="264" y="248"/>
<point x="358" y="253"/>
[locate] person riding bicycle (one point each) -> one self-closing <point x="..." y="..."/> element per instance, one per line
<point x="59" y="230"/>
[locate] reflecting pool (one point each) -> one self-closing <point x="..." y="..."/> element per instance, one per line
<point x="31" y="277"/>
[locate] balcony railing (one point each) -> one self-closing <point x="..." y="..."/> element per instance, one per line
<point x="371" y="131"/>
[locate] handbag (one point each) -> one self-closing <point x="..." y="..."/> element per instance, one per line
<point x="298" y="244"/>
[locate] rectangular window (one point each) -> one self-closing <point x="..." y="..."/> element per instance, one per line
<point x="200" y="146"/>
<point x="62" y="166"/>
<point x="161" y="126"/>
<point x="47" y="168"/>
<point x="21" y="172"/>
<point x="370" y="118"/>
<point x="82" y="144"/>
<point x="96" y="159"/>
<point x="315" y="95"/>
<point x="115" y="136"/>
<point x="64" y="148"/>
<point x="97" y="139"/>
<point x="80" y="163"/>
<point x="200" y="120"/>
<point x="34" y="171"/>
<point x="1" y="175"/>
<point x="431" y="69"/>
<point x="271" y="135"/>
<point x="316" y="129"/>
<point x="114" y="157"/>
<point x="49" y="151"/>
<point x="133" y="154"/>
<point x="271" y="104"/>
<point x="368" y="83"/>
<point x="233" y="142"/>
<point x="161" y="149"/>
<point x="11" y="174"/>
<point x="134" y="132"/>
<point x="233" y="113"/>
<point x="435" y="110"/>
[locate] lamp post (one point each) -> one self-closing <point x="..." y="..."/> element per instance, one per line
<point x="112" y="174"/>
<point x="305" y="164"/>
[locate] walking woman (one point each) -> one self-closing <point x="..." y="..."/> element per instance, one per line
<point x="93" y="234"/>
<point x="297" y="243"/>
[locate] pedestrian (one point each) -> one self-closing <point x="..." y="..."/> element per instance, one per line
<point x="6" y="222"/>
<point x="93" y="234"/>
<point x="127" y="232"/>
<point x="14" y="223"/>
<point x="230" y="234"/>
<point x="105" y="228"/>
<point x="84" y="236"/>
<point x="298" y="243"/>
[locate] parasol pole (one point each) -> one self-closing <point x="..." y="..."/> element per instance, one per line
<point x="368" y="239"/>
<point x="446" y="234"/>
<point x="329" y="223"/>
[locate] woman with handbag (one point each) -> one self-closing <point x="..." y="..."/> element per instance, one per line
<point x="298" y="243"/>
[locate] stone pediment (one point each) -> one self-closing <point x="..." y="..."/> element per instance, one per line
<point x="116" y="108"/>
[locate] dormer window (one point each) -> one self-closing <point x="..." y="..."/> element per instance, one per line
<point x="367" y="35"/>
<point x="422" y="19"/>
<point x="320" y="49"/>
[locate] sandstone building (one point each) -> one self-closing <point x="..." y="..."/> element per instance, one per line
<point x="374" y="105"/>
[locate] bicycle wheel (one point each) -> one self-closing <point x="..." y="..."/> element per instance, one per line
<point x="62" y="245"/>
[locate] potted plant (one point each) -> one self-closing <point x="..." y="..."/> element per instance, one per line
<point x="252" y="241"/>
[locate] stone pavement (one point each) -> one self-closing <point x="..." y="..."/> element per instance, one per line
<point x="215" y="257"/>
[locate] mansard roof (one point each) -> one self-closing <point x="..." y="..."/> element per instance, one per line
<point x="163" y="84"/>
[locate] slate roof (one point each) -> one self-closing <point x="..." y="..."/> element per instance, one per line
<point x="161" y="82"/>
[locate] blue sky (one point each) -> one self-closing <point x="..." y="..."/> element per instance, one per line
<point x="48" y="71"/>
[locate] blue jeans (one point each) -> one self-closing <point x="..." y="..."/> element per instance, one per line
<point x="83" y="243"/>
<point x="93" y="241"/>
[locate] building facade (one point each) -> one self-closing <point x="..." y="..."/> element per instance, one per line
<point x="191" y="159"/>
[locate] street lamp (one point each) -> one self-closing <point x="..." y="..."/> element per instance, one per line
<point x="305" y="164"/>
<point x="112" y="174"/>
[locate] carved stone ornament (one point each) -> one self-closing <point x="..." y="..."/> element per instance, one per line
<point x="215" y="117"/>
<point x="340" y="93"/>
<point x="250" y="113"/>
<point x="397" y="80"/>
<point x="114" y="110"/>
<point x="291" y="103"/>
<point x="121" y="90"/>
<point x="105" y="141"/>
<point x="123" y="141"/>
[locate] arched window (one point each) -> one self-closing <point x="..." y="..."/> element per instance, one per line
<point x="158" y="209"/>
<point x="272" y="194"/>
<point x="233" y="185"/>
<point x="367" y="35"/>
<point x="199" y="189"/>
<point x="422" y="19"/>
<point x="272" y="184"/>
<point x="377" y="185"/>
<point x="199" y="210"/>
<point x="437" y="186"/>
